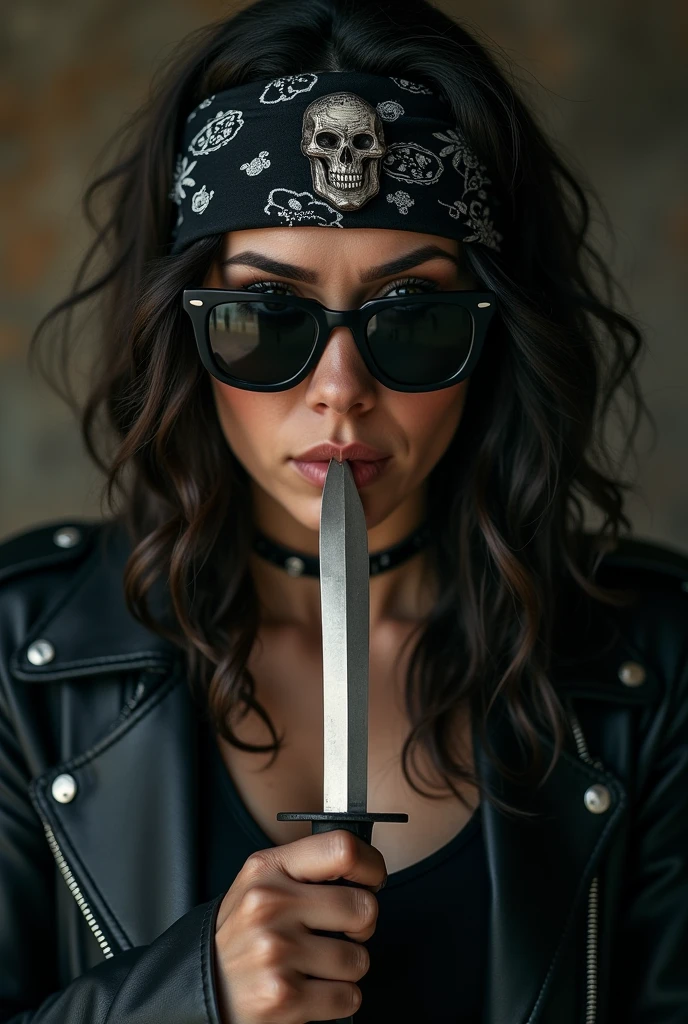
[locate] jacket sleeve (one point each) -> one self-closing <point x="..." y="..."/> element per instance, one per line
<point x="168" y="980"/>
<point x="651" y="951"/>
<point x="171" y="979"/>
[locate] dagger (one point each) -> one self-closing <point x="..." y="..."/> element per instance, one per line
<point x="345" y="611"/>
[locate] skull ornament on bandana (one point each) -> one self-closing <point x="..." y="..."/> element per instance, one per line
<point x="344" y="140"/>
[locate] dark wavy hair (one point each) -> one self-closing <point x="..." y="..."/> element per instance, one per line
<point x="507" y="499"/>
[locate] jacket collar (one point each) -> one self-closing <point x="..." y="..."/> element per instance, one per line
<point x="130" y="837"/>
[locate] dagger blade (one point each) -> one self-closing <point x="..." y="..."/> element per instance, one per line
<point x="345" y="610"/>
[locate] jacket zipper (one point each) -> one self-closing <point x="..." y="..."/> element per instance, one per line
<point x="593" y="894"/>
<point x="64" y="866"/>
<point x="76" y="891"/>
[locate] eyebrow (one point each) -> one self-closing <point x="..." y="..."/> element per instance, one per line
<point x="250" y="258"/>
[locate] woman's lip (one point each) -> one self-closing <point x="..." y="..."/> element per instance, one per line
<point x="363" y="472"/>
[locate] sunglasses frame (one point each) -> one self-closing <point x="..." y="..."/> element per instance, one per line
<point x="199" y="302"/>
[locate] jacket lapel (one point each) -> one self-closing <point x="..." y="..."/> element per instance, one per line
<point x="540" y="870"/>
<point x="130" y="836"/>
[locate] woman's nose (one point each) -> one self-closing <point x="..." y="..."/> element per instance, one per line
<point x="340" y="378"/>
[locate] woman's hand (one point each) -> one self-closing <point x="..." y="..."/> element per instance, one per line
<point x="270" y="967"/>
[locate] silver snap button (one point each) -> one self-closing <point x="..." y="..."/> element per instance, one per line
<point x="294" y="566"/>
<point x="40" y="652"/>
<point x="597" y="799"/>
<point x="67" y="537"/>
<point x="64" y="789"/>
<point x="631" y="673"/>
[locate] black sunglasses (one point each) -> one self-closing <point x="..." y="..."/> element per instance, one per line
<point x="264" y="342"/>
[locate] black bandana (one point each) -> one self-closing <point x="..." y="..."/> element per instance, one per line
<point x="333" y="149"/>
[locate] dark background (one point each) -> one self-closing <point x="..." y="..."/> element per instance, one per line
<point x="607" y="77"/>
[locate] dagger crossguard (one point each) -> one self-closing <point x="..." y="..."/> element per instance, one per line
<point x="359" y="822"/>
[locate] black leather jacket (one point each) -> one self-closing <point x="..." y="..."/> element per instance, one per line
<point x="99" y="916"/>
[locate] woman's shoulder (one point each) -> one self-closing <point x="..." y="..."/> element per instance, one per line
<point x="646" y="564"/>
<point x="63" y="611"/>
<point x="47" y="545"/>
<point x="634" y="653"/>
<point x="39" y="562"/>
<point x="657" y="620"/>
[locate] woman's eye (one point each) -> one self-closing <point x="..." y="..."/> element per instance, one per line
<point x="278" y="287"/>
<point x="411" y="285"/>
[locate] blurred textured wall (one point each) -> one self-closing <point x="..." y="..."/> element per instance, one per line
<point x="608" y="78"/>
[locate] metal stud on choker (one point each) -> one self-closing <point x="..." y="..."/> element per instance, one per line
<point x="295" y="563"/>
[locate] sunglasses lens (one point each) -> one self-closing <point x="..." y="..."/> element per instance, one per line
<point x="421" y="342"/>
<point x="261" y="342"/>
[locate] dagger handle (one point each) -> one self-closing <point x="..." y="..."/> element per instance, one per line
<point x="361" y="824"/>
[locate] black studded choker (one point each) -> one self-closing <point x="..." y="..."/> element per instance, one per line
<point x="297" y="564"/>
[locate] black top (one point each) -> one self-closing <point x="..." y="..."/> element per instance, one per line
<point x="428" y="952"/>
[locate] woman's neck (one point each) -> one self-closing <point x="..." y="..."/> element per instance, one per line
<point x="405" y="593"/>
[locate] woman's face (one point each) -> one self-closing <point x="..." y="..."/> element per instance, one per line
<point x="340" y="401"/>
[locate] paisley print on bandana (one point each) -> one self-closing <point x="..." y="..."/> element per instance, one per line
<point x="258" y="164"/>
<point x="301" y="208"/>
<point x="286" y="88"/>
<point x="182" y="179"/>
<point x="220" y="130"/>
<point x="416" y="87"/>
<point x="403" y="201"/>
<point x="412" y="163"/>
<point x="458" y="147"/>
<point x="200" y="199"/>
<point x="478" y="219"/>
<point x="390" y="110"/>
<point x="468" y="167"/>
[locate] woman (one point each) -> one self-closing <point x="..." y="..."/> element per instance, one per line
<point x="162" y="671"/>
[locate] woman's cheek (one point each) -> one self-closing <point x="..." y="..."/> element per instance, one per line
<point x="245" y="417"/>
<point x="430" y="418"/>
